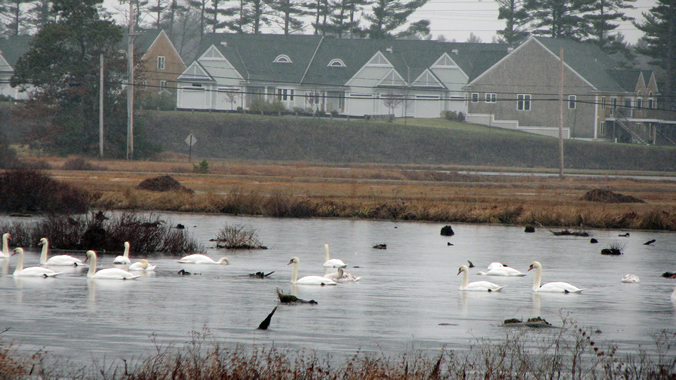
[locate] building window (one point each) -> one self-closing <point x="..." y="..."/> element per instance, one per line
<point x="475" y="97"/>
<point x="602" y="128"/>
<point x="336" y="62"/>
<point x="603" y="102"/>
<point x="491" y="98"/>
<point x="613" y="103"/>
<point x="160" y="62"/>
<point x="144" y="85"/>
<point x="164" y="85"/>
<point x="651" y="103"/>
<point x="639" y="103"/>
<point x="282" y="58"/>
<point x="627" y="102"/>
<point x="523" y="102"/>
<point x="284" y="94"/>
<point x="571" y="102"/>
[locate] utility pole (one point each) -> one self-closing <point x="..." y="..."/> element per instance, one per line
<point x="130" y="84"/>
<point x="561" y="115"/>
<point x="101" y="107"/>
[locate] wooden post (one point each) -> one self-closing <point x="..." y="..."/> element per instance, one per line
<point x="101" y="107"/>
<point x="561" y="115"/>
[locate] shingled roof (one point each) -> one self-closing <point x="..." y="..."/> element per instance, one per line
<point x="11" y="48"/>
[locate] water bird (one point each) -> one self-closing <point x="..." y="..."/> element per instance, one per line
<point x="630" y="278"/>
<point x="649" y="242"/>
<point x="184" y="272"/>
<point x="341" y="275"/>
<point x="142" y="265"/>
<point x="449" y="243"/>
<point x="498" y="269"/>
<point x="332" y="263"/>
<point x="106" y="274"/>
<point x="550" y="287"/>
<point x="198" y="258"/>
<point x="266" y="322"/>
<point x="6" y="237"/>
<point x="307" y="280"/>
<point x="290" y="298"/>
<point x="479" y="286"/>
<point x="124" y="259"/>
<point x="19" y="271"/>
<point x="59" y="260"/>
<point x="260" y="274"/>
<point x="624" y="235"/>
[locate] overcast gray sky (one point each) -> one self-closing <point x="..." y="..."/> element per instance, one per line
<point x="456" y="19"/>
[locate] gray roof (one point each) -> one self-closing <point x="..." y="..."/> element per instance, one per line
<point x="13" y="47"/>
<point x="253" y="56"/>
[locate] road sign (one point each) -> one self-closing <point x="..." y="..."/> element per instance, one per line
<point x="190" y="140"/>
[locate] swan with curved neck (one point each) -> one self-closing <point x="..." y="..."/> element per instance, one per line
<point x="630" y="279"/>
<point x="19" y="271"/>
<point x="479" y="286"/>
<point x="59" y="260"/>
<point x="497" y="269"/>
<point x="332" y="263"/>
<point x="341" y="275"/>
<point x="106" y="274"/>
<point x="142" y="265"/>
<point x="5" y="245"/>
<point x="307" y="280"/>
<point x="124" y="258"/>
<point x="550" y="287"/>
<point x="198" y="258"/>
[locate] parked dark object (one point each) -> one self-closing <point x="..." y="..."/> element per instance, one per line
<point x="529" y="229"/>
<point x="447" y="230"/>
<point x="593" y="241"/>
<point x="266" y="322"/>
<point x="607" y="196"/>
<point x="380" y="246"/>
<point x="163" y="183"/>
<point x="624" y="235"/>
<point x="649" y="242"/>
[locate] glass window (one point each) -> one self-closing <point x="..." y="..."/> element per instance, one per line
<point x="160" y="62"/>
<point x="475" y="98"/>
<point x="164" y="85"/>
<point x="603" y="102"/>
<point x="571" y="102"/>
<point x="639" y="103"/>
<point x="491" y="98"/>
<point x="523" y="102"/>
<point x="602" y="128"/>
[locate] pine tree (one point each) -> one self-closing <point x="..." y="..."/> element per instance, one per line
<point x="389" y="15"/>
<point x="659" y="26"/>
<point x="604" y="18"/>
<point x="38" y="14"/>
<point x="15" y="12"/>
<point x="560" y="18"/>
<point x="516" y="19"/>
<point x="214" y="11"/>
<point x="288" y="14"/>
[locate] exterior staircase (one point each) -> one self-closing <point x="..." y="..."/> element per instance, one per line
<point x="637" y="134"/>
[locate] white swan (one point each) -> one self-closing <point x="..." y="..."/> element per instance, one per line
<point x="124" y="259"/>
<point x="198" y="258"/>
<point x="19" y="271"/>
<point x="307" y="280"/>
<point x="142" y="265"/>
<point x="630" y="278"/>
<point x="332" y="263"/>
<point x="5" y="245"/>
<point x="59" y="260"/>
<point x="497" y="269"/>
<point x="341" y="275"/>
<point x="550" y="287"/>
<point x="481" y="286"/>
<point x="109" y="273"/>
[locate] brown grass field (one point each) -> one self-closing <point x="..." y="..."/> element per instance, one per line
<point x="377" y="192"/>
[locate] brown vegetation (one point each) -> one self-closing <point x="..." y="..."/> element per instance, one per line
<point x="162" y="183"/>
<point x="238" y="236"/>
<point x="31" y="191"/>
<point x="608" y="196"/>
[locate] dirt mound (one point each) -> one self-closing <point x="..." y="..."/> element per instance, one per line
<point x="607" y="196"/>
<point x="163" y="183"/>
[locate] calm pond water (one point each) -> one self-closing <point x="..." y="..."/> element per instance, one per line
<point x="408" y="295"/>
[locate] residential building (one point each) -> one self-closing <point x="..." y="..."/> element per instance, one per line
<point x="11" y="48"/>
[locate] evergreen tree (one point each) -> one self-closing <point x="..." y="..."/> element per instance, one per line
<point x="560" y="18"/>
<point x="389" y="15"/>
<point x="156" y="9"/>
<point x="200" y="6"/>
<point x="604" y="18"/>
<point x="38" y="14"/>
<point x="288" y="15"/>
<point x="214" y="11"/>
<point x="516" y="19"/>
<point x="16" y="16"/>
<point x="659" y="26"/>
<point x="62" y="66"/>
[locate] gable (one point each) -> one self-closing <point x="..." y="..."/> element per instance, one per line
<point x="195" y="72"/>
<point x="444" y="62"/>
<point x="379" y="60"/>
<point x="4" y="66"/>
<point x="212" y="54"/>
<point x="392" y="78"/>
<point x="427" y="79"/>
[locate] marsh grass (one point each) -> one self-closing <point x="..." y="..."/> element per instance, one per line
<point x="238" y="236"/>
<point x="568" y="352"/>
<point x="32" y="191"/>
<point x="145" y="232"/>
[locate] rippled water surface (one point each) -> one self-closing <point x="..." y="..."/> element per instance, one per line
<point x="408" y="295"/>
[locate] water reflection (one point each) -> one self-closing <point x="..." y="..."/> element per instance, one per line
<point x="408" y="294"/>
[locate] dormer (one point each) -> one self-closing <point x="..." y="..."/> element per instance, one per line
<point x="336" y="62"/>
<point x="282" y="58"/>
<point x="378" y="60"/>
<point x="444" y="62"/>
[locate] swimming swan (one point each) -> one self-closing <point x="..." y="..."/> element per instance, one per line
<point x="107" y="274"/>
<point x="630" y="279"/>
<point x="198" y="258"/>
<point x="307" y="280"/>
<point x="19" y="271"/>
<point x="59" y="260"/>
<point x="497" y="269"/>
<point x="332" y="263"/>
<point x="480" y="286"/>
<point x="5" y="245"/>
<point x="142" y="265"/>
<point x="341" y="275"/>
<point x="124" y="259"/>
<point x="550" y="287"/>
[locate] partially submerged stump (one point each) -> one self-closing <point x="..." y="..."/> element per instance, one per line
<point x="529" y="229"/>
<point x="531" y="322"/>
<point x="447" y="231"/>
<point x="608" y="196"/>
<point x="163" y="183"/>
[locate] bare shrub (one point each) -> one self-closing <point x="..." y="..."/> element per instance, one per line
<point x="615" y="248"/>
<point x="238" y="236"/>
<point x="29" y="191"/>
<point x="79" y="163"/>
<point x="163" y="183"/>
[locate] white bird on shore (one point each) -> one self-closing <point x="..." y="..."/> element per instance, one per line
<point x="59" y="260"/>
<point x="19" y="271"/>
<point x="106" y="274"/>
<point x="124" y="259"/>
<point x="198" y="258"/>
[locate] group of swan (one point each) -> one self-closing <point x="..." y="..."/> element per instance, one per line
<point x="340" y="274"/>
<point x="486" y="286"/>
